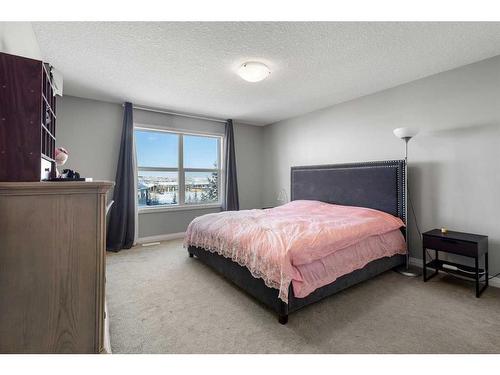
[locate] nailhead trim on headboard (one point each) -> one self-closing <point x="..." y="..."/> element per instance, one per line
<point x="400" y="176"/>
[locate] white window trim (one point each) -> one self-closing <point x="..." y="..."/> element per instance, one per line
<point x="182" y="206"/>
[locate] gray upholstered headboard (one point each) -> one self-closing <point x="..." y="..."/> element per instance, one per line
<point x="376" y="184"/>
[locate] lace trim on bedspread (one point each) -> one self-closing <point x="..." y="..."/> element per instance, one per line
<point x="245" y="258"/>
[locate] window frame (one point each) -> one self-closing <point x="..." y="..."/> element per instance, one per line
<point x="181" y="171"/>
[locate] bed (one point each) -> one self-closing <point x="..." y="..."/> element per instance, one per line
<point x="365" y="188"/>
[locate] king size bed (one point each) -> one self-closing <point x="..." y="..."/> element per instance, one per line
<point x="344" y="225"/>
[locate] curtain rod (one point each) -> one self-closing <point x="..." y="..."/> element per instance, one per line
<point x="176" y="113"/>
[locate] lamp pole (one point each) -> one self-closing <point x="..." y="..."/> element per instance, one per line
<point x="406" y="134"/>
<point x="407" y="139"/>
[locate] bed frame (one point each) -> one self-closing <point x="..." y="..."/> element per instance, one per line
<point x="378" y="185"/>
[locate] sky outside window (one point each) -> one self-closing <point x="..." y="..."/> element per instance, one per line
<point x="157" y="149"/>
<point x="160" y="149"/>
<point x="200" y="152"/>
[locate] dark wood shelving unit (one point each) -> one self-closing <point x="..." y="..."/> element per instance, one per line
<point x="48" y="115"/>
<point x="27" y="119"/>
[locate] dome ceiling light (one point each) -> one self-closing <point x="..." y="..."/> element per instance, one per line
<point x="253" y="71"/>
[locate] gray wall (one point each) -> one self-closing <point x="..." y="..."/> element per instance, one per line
<point x="18" y="38"/>
<point x="454" y="161"/>
<point x="158" y="223"/>
<point x="248" y="145"/>
<point x="91" y="132"/>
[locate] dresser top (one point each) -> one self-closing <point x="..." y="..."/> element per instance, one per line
<point x="54" y="187"/>
<point x="460" y="236"/>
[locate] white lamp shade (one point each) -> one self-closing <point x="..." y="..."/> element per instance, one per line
<point x="253" y="71"/>
<point x="405" y="132"/>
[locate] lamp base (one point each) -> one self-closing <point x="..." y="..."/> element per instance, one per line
<point x="409" y="271"/>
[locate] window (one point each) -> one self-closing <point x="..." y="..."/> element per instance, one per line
<point x="177" y="169"/>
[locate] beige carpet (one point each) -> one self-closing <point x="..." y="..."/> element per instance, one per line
<point x="161" y="301"/>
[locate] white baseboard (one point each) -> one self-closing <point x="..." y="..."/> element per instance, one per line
<point x="161" y="237"/>
<point x="494" y="282"/>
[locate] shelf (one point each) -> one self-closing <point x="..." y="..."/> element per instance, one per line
<point x="44" y="66"/>
<point x="48" y="132"/>
<point x="48" y="75"/>
<point x="438" y="265"/>
<point x="48" y="105"/>
<point x="48" y="158"/>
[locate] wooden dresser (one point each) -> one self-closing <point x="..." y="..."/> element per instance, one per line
<point x="52" y="267"/>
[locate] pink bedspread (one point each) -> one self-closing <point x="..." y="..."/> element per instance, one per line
<point x="326" y="270"/>
<point x="278" y="244"/>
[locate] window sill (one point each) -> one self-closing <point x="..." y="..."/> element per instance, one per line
<point x="191" y="207"/>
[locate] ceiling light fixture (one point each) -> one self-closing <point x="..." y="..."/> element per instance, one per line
<point x="253" y="71"/>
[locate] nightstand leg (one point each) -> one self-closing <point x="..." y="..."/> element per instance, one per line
<point x="477" y="276"/>
<point x="424" y="268"/>
<point x="486" y="275"/>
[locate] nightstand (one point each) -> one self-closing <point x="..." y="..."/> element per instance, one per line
<point x="465" y="244"/>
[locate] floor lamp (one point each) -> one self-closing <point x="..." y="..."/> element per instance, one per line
<point x="406" y="134"/>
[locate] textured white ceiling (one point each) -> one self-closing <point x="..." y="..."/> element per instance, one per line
<point x="190" y="66"/>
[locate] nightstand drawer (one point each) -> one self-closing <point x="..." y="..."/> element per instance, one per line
<point x="450" y="245"/>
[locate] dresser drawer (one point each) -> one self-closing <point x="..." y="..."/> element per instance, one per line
<point x="451" y="246"/>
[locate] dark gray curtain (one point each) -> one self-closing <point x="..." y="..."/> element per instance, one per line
<point x="121" y="225"/>
<point x="231" y="201"/>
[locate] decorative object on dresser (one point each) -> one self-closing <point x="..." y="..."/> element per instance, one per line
<point x="465" y="244"/>
<point x="61" y="157"/>
<point x="52" y="267"/>
<point x="27" y="119"/>
<point x="406" y="134"/>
